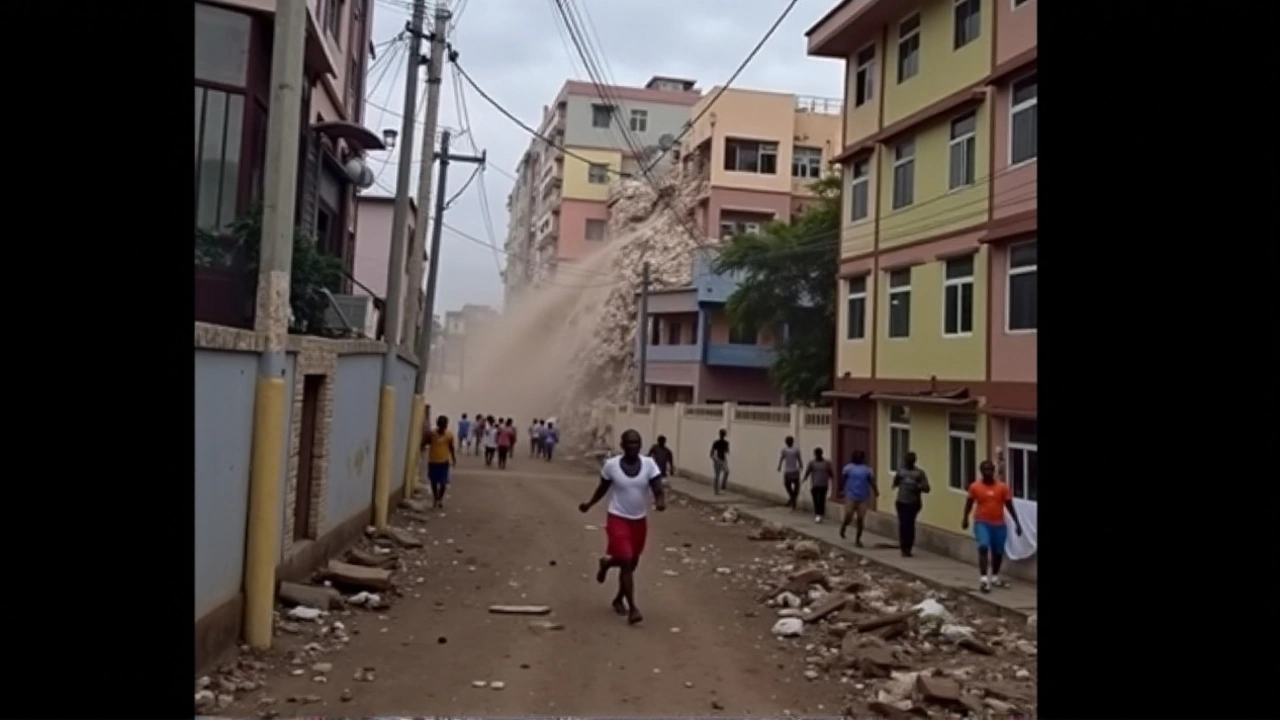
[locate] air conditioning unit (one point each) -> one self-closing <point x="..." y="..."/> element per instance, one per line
<point x="359" y="313"/>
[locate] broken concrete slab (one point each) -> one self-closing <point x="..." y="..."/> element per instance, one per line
<point x="824" y="607"/>
<point x="356" y="576"/>
<point x="520" y="609"/>
<point x="975" y="645"/>
<point x="884" y="620"/>
<point x="356" y="556"/>
<point x="324" y="598"/>
<point x="400" y="537"/>
<point x="885" y="710"/>
<point x="938" y="690"/>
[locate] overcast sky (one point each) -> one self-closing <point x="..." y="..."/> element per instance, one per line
<point x="513" y="49"/>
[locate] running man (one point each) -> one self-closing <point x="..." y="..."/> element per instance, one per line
<point x="993" y="499"/>
<point x="789" y="464"/>
<point x="490" y="439"/>
<point x="662" y="455"/>
<point x="440" y="455"/>
<point x="860" y="493"/>
<point x="464" y="432"/>
<point x="627" y="479"/>
<point x="506" y="438"/>
<point x="550" y="437"/>
<point x="720" y="462"/>
<point x="818" y="473"/>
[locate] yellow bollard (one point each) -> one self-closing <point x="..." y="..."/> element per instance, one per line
<point x="382" y="459"/>
<point x="262" y="541"/>
<point x="413" y="448"/>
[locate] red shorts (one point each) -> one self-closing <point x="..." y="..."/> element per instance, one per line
<point x="626" y="537"/>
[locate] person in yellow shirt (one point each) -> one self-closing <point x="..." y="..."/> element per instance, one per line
<point x="440" y="456"/>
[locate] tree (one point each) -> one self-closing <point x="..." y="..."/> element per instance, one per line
<point x="787" y="280"/>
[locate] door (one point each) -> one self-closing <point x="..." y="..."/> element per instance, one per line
<point x="311" y="387"/>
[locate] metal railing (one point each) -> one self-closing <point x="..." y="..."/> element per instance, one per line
<point x="823" y="105"/>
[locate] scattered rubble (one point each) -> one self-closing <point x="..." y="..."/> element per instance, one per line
<point x="520" y="609"/>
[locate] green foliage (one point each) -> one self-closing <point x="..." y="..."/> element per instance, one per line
<point x="787" y="278"/>
<point x="312" y="270"/>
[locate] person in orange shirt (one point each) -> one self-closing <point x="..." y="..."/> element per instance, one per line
<point x="440" y="456"/>
<point x="992" y="498"/>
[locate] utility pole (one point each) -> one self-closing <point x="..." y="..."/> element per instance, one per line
<point x="435" y="72"/>
<point x="433" y="265"/>
<point x="280" y="189"/>
<point x="382" y="462"/>
<point x="641" y="395"/>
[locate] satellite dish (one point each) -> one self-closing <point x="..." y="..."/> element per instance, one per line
<point x="666" y="141"/>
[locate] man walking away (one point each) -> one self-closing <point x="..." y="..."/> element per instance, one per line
<point x="440" y="454"/>
<point x="550" y="437"/>
<point x="464" y="432"/>
<point x="818" y="474"/>
<point x="533" y="438"/>
<point x="627" y="479"/>
<point x="490" y="440"/>
<point x="506" y="441"/>
<point x="663" y="456"/>
<point x="993" y="499"/>
<point x="789" y="463"/>
<point x="477" y="434"/>
<point x="720" y="463"/>
<point x="912" y="483"/>
<point x="860" y="492"/>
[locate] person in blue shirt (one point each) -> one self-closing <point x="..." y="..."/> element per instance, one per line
<point x="860" y="493"/>
<point x="550" y="437"/>
<point x="464" y="431"/>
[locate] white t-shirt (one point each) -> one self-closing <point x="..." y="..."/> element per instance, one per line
<point x="629" y="496"/>
<point x="490" y="436"/>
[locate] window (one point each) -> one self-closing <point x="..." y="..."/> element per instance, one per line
<point x="655" y="331"/>
<point x="601" y="115"/>
<point x="330" y="194"/>
<point x="673" y="332"/>
<point x="727" y="230"/>
<point x="859" y="191"/>
<point x="900" y="303"/>
<point x="899" y="435"/>
<point x="968" y="20"/>
<point x="743" y="334"/>
<point x="962" y="449"/>
<point x="904" y="174"/>
<point x="1023" y="120"/>
<point x="595" y="229"/>
<point x="751" y="228"/>
<point x="856" y="309"/>
<point x="1021" y="461"/>
<point x="750" y="156"/>
<point x="864" y="76"/>
<point x="598" y="174"/>
<point x="219" y="131"/>
<point x="639" y="120"/>
<point x="222" y="45"/>
<point x="333" y="19"/>
<point x="963" y="150"/>
<point x="1019" y="3"/>
<point x="909" y="48"/>
<point x="806" y="162"/>
<point x="957" y="298"/>
<point x="1023" y="291"/>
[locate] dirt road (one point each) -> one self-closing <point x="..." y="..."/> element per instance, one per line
<point x="516" y="537"/>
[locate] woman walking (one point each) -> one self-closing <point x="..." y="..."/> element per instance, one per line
<point x="818" y="473"/>
<point x="912" y="484"/>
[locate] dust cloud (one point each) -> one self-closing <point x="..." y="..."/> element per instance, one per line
<point x="566" y="349"/>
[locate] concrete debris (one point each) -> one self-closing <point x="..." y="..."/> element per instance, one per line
<point x="545" y="625"/>
<point x="520" y="609"/>
<point x="768" y="531"/>
<point x="403" y="538"/>
<point x="730" y="515"/>
<point x="379" y="558"/>
<point x="789" y="599"/>
<point x="325" y="598"/>
<point x="807" y="550"/>
<point x="479" y="683"/>
<point x="496" y="684"/>
<point x="356" y="576"/>
<point x="303" y="612"/>
<point x="788" y="627"/>
<point x="366" y="599"/>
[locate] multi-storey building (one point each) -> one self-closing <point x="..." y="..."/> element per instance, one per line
<point x="232" y="93"/>
<point x="463" y="332"/>
<point x="936" y="349"/>
<point x="755" y="154"/>
<point x="558" y="208"/>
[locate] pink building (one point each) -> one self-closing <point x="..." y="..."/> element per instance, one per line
<point x="373" y="254"/>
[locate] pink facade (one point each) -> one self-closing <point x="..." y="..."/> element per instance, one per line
<point x="1014" y="189"/>
<point x="733" y="205"/>
<point x="1013" y="353"/>
<point x="1015" y="29"/>
<point x="373" y="243"/>
<point x="574" y="214"/>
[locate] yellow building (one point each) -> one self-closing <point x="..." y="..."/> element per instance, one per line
<point x="936" y="342"/>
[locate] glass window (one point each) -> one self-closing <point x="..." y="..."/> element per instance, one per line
<point x="222" y="45"/>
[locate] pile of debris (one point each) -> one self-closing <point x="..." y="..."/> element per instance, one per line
<point x="323" y="613"/>
<point x="904" y="649"/>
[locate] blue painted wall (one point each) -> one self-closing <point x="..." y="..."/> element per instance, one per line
<point x="403" y="381"/>
<point x="352" y="439"/>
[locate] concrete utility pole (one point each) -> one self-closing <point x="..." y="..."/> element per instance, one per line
<point x="433" y="263"/>
<point x="641" y="395"/>
<point x="435" y="72"/>
<point x="395" y="279"/>
<point x="262" y="542"/>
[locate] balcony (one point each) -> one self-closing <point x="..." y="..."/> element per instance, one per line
<point x="742" y="356"/>
<point x="672" y="353"/>
<point x="819" y="105"/>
